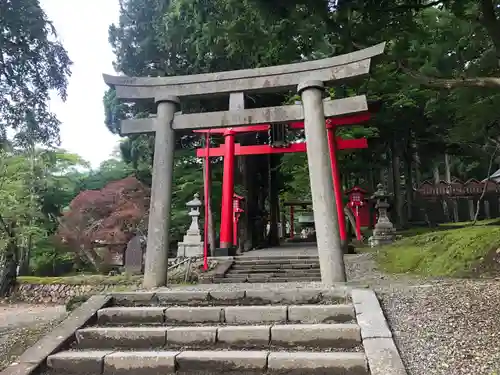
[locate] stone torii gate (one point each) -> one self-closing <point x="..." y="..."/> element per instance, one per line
<point x="308" y="78"/>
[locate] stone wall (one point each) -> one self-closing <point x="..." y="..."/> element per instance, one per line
<point x="56" y="293"/>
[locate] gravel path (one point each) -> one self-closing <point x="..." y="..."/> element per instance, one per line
<point x="21" y="325"/>
<point x="452" y="328"/>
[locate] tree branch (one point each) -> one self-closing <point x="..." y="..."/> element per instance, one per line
<point x="452" y="83"/>
<point x="414" y="6"/>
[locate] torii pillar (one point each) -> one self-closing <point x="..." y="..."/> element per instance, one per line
<point x="320" y="175"/>
<point x="156" y="263"/>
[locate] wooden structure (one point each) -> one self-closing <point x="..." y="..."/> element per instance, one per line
<point x="460" y="199"/>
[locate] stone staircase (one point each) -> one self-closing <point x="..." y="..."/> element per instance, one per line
<point x="294" y="331"/>
<point x="272" y="269"/>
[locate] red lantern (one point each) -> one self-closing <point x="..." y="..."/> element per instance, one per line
<point x="360" y="208"/>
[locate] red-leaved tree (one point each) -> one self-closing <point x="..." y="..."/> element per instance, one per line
<point x="105" y="218"/>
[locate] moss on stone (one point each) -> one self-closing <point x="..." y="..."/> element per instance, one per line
<point x="456" y="250"/>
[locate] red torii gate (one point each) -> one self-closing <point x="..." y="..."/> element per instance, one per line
<point x="230" y="149"/>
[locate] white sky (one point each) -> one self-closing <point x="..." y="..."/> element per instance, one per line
<point x="82" y="27"/>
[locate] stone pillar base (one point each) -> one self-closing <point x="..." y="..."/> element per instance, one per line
<point x="381" y="239"/>
<point x="189" y="250"/>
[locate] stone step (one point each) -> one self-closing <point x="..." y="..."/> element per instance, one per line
<point x="283" y="279"/>
<point x="251" y="276"/>
<point x="274" y="270"/>
<point x="277" y="257"/>
<point x="275" y="266"/>
<point x="225" y="314"/>
<point x="164" y="299"/>
<point x="314" y="336"/>
<point x="258" y="262"/>
<point x="259" y="280"/>
<point x="207" y="362"/>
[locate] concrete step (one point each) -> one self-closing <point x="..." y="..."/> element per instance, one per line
<point x="186" y="315"/>
<point x="207" y="362"/>
<point x="315" y="336"/>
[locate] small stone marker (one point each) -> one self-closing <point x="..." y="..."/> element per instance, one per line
<point x="134" y="256"/>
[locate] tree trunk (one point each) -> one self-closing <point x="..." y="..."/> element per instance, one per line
<point x="273" y="236"/>
<point x="211" y="227"/>
<point x="435" y="171"/>
<point x="396" y="182"/>
<point x="251" y="204"/>
<point x="447" y="169"/>
<point x="8" y="269"/>
<point x="447" y="174"/>
<point x="351" y="218"/>
<point x="371" y="179"/>
<point x="417" y="162"/>
<point x="409" y="186"/>
<point x="485" y="187"/>
<point x="263" y="195"/>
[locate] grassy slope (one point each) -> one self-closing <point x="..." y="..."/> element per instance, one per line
<point x="452" y="250"/>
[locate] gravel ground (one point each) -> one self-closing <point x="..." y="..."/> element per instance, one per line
<point x="451" y="328"/>
<point x="22" y="325"/>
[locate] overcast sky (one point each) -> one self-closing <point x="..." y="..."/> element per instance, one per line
<point x="82" y="26"/>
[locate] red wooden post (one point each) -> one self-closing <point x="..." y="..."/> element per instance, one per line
<point x="359" y="208"/>
<point x="206" y="193"/>
<point x="237" y="211"/>
<point x="226" y="226"/>
<point x="235" y="230"/>
<point x="337" y="189"/>
<point x="358" y="224"/>
<point x="292" y="229"/>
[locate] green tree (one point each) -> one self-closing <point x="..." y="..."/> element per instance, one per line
<point x="32" y="64"/>
<point x="18" y="215"/>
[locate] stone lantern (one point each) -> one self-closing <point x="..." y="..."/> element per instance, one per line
<point x="384" y="232"/>
<point x="192" y="245"/>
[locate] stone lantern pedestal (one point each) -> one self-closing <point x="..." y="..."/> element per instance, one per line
<point x="384" y="232"/>
<point x="192" y="244"/>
